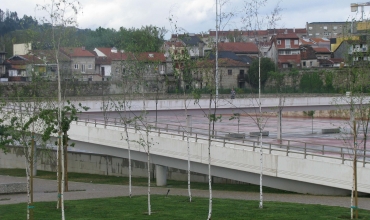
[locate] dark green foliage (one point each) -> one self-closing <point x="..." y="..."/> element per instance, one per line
<point x="267" y="66"/>
<point x="311" y="82"/>
<point x="27" y="29"/>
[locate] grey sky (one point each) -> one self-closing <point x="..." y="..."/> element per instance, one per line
<point x="193" y="15"/>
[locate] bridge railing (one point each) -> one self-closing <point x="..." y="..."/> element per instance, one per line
<point x="285" y="146"/>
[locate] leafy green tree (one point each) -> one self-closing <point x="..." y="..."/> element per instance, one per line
<point x="311" y="82"/>
<point x="267" y="66"/>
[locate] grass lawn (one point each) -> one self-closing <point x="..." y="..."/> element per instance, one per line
<point x="177" y="207"/>
<point x="104" y="179"/>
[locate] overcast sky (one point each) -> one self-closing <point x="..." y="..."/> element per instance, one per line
<point x="194" y="16"/>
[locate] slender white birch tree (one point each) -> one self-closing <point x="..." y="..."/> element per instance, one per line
<point x="61" y="14"/>
<point x="254" y="21"/>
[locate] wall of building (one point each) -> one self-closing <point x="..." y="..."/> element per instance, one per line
<point x="81" y="162"/>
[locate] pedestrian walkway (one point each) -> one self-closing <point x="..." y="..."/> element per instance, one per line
<point x="45" y="190"/>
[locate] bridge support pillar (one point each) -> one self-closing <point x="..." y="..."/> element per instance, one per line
<point x="279" y="128"/>
<point x="161" y="175"/>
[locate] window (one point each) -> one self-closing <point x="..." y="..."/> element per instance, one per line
<point x="295" y="42"/>
<point x="304" y="63"/>
<point x="76" y="66"/>
<point x="83" y="68"/>
<point x="287" y="43"/>
<point x="285" y="65"/>
<point x="310" y="63"/>
<point x="326" y="33"/>
<point x="318" y="57"/>
<point x="278" y="42"/>
<point x="309" y="34"/>
<point x="102" y="71"/>
<point x="335" y="28"/>
<point x="89" y="66"/>
<point x="229" y="72"/>
<point x="264" y="54"/>
<point x="90" y="78"/>
<point x="281" y="52"/>
<point x="317" y="34"/>
<point x="325" y="27"/>
<point x="288" y="52"/>
<point x="310" y="28"/>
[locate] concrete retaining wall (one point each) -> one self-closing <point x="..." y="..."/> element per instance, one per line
<point x="82" y="162"/>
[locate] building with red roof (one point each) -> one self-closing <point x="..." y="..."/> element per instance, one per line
<point x="285" y="51"/>
<point x="21" y="67"/>
<point x="82" y="63"/>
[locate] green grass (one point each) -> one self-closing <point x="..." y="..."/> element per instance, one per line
<point x="177" y="207"/>
<point x="114" y="180"/>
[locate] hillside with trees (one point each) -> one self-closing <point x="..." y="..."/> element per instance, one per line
<point x="15" y="30"/>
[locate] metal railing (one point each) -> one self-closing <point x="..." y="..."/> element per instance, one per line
<point x="285" y="146"/>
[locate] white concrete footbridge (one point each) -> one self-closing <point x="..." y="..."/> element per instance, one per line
<point x="292" y="166"/>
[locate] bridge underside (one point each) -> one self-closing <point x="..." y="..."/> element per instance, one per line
<point x="248" y="177"/>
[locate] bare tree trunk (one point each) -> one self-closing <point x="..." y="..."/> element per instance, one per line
<point x="30" y="206"/>
<point x="188" y="118"/>
<point x="59" y="170"/>
<point x="28" y="185"/>
<point x="209" y="159"/>
<point x="65" y="136"/>
<point x="260" y="129"/>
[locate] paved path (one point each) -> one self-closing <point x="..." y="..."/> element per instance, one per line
<point x="45" y="190"/>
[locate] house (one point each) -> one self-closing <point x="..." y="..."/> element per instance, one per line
<point x="21" y="68"/>
<point x="51" y="64"/>
<point x="82" y="63"/>
<point x="322" y="53"/>
<point x="192" y="44"/>
<point x="147" y="71"/>
<point x="285" y="51"/>
<point x="232" y="73"/>
<point x="308" y="56"/>
<point x="109" y="62"/>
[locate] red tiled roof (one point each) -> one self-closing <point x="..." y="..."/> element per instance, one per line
<point x="226" y="62"/>
<point x="306" y="42"/>
<point x="317" y="40"/>
<point x="289" y="58"/>
<point x="239" y="32"/>
<point x="77" y="52"/>
<point x="49" y="55"/>
<point x="113" y="56"/>
<point x="289" y="30"/>
<point x="238" y="47"/>
<point x="321" y="50"/>
<point x="24" y="60"/>
<point x="287" y="36"/>
<point x="148" y="57"/>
